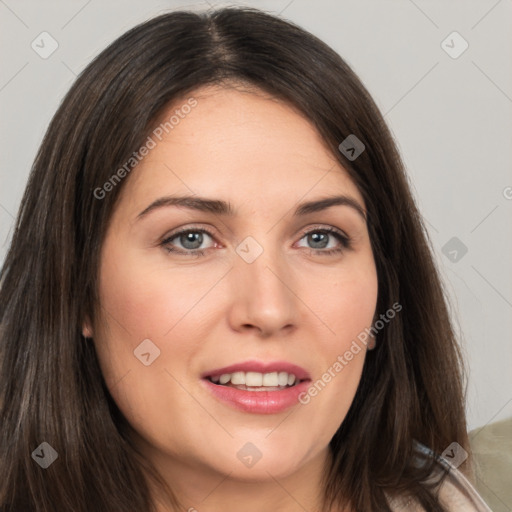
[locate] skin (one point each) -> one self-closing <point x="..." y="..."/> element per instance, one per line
<point x="210" y="311"/>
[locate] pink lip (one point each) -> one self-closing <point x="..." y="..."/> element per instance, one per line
<point x="260" y="367"/>
<point x="259" y="402"/>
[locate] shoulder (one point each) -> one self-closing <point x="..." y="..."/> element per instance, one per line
<point x="456" y="493"/>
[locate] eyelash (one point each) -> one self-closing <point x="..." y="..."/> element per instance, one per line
<point x="345" y="241"/>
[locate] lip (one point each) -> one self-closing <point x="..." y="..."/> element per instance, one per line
<point x="260" y="367"/>
<point x="258" y="402"/>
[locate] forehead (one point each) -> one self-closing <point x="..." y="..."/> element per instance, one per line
<point x="237" y="144"/>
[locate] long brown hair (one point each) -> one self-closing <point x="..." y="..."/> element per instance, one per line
<point x="51" y="386"/>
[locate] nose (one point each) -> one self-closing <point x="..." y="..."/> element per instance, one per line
<point x="263" y="299"/>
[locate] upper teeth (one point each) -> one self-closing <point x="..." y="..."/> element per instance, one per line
<point x="272" y="379"/>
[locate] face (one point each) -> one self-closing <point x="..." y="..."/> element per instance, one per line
<point x="264" y="283"/>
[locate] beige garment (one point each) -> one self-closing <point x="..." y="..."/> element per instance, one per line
<point x="456" y="494"/>
<point x="492" y="453"/>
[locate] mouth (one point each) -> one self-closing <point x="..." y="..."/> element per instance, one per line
<point x="256" y="381"/>
<point x="257" y="387"/>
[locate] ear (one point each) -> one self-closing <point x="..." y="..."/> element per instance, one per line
<point x="87" y="329"/>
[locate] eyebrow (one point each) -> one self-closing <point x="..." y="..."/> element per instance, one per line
<point x="225" y="208"/>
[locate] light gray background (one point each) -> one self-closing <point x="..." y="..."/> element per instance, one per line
<point x="451" y="119"/>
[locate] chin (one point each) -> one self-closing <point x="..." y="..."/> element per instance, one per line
<point x="261" y="459"/>
<point x="261" y="471"/>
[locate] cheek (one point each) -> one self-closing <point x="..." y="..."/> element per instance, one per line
<point x="347" y="308"/>
<point x="145" y="299"/>
<point x="347" y="303"/>
<point x="138" y="304"/>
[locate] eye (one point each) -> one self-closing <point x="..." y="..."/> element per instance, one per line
<point x="326" y="240"/>
<point x="187" y="241"/>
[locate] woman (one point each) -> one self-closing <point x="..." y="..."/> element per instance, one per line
<point x="220" y="293"/>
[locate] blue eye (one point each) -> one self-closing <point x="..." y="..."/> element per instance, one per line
<point x="319" y="239"/>
<point x="189" y="241"/>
